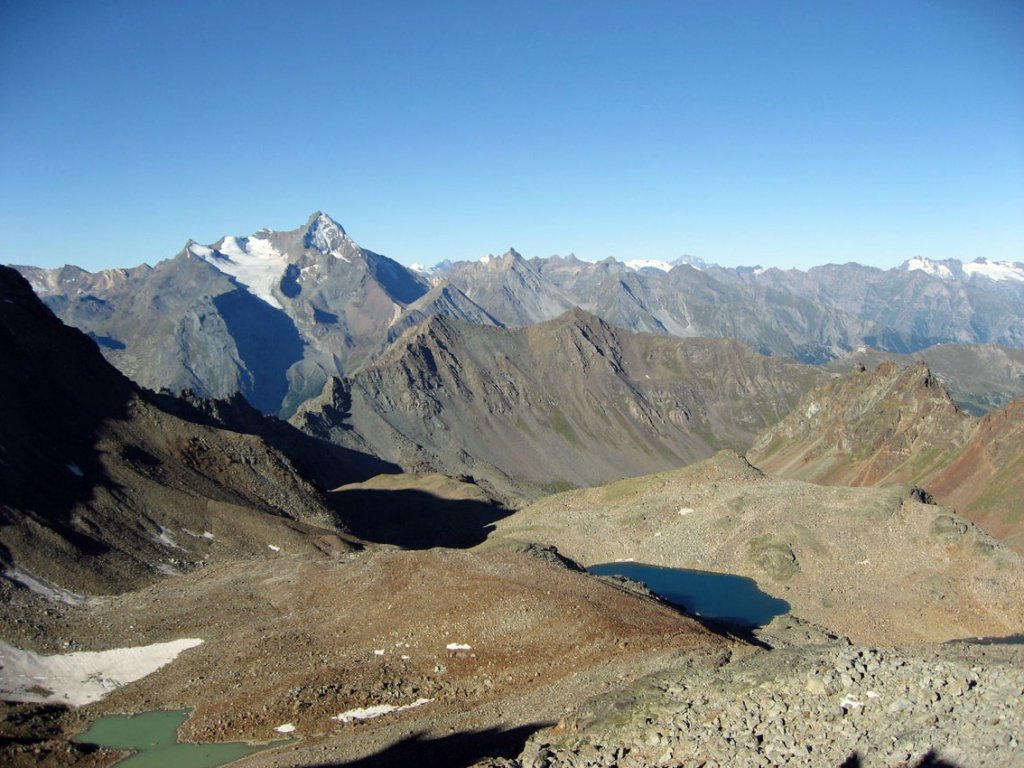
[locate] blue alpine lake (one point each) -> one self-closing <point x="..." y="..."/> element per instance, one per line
<point x="720" y="597"/>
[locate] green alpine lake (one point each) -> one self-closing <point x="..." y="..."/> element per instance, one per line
<point x="153" y="738"/>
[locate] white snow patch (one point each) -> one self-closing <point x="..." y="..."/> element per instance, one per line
<point x="929" y="267"/>
<point x="812" y="409"/>
<point x="200" y="250"/>
<point x="285" y="728"/>
<point x="273" y="548"/>
<point x="45" y="588"/>
<point x="81" y="677"/>
<point x="995" y="270"/>
<point x="684" y="511"/>
<point x="759" y="270"/>
<point x="204" y="535"/>
<point x="41" y="289"/>
<point x="378" y="652"/>
<point x="368" y="713"/>
<point x="849" y="702"/>
<point x="75" y="470"/>
<point x="166" y="537"/>
<point x="458" y="647"/>
<point x="252" y="261"/>
<point x="637" y="264"/>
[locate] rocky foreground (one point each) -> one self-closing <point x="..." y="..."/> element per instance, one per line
<point x="817" y="705"/>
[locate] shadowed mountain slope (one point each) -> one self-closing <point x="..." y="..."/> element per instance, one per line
<point x="573" y="401"/>
<point x="101" y="491"/>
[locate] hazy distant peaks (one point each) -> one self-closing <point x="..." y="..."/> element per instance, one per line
<point x="982" y="267"/>
<point x="929" y="267"/>
<point x="996" y="270"/>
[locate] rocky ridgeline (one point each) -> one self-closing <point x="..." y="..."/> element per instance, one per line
<point x="813" y="706"/>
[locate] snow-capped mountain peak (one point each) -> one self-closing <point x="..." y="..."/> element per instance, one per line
<point x="929" y="267"/>
<point x="995" y="270"/>
<point x="692" y="261"/>
<point x="638" y="265"/>
<point x="326" y="235"/>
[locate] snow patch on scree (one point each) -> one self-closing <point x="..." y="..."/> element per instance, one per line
<point x="45" y="588"/>
<point x="368" y="713"/>
<point x="81" y="677"/>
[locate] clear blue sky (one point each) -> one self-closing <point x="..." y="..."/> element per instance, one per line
<point x="780" y="133"/>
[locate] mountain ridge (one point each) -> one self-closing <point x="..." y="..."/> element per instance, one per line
<point x="899" y="424"/>
<point x="566" y="402"/>
<point x="275" y="314"/>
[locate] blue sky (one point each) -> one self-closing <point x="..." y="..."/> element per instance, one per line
<point x="780" y="133"/>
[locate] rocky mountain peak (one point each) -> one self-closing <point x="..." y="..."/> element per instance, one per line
<point x="324" y="234"/>
<point x="892" y="424"/>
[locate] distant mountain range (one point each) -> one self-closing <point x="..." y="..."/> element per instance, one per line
<point x="275" y="315"/>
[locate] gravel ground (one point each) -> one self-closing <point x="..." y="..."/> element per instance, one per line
<point x="831" y="705"/>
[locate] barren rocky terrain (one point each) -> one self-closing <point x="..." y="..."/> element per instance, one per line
<point x="828" y="705"/>
<point x="290" y="639"/>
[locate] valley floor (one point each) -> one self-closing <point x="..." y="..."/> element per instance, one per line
<point x="560" y="669"/>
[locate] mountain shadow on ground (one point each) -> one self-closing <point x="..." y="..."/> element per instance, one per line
<point x="325" y="464"/>
<point x="454" y="751"/>
<point x="268" y="342"/>
<point x="415" y="519"/>
<point x="929" y="760"/>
